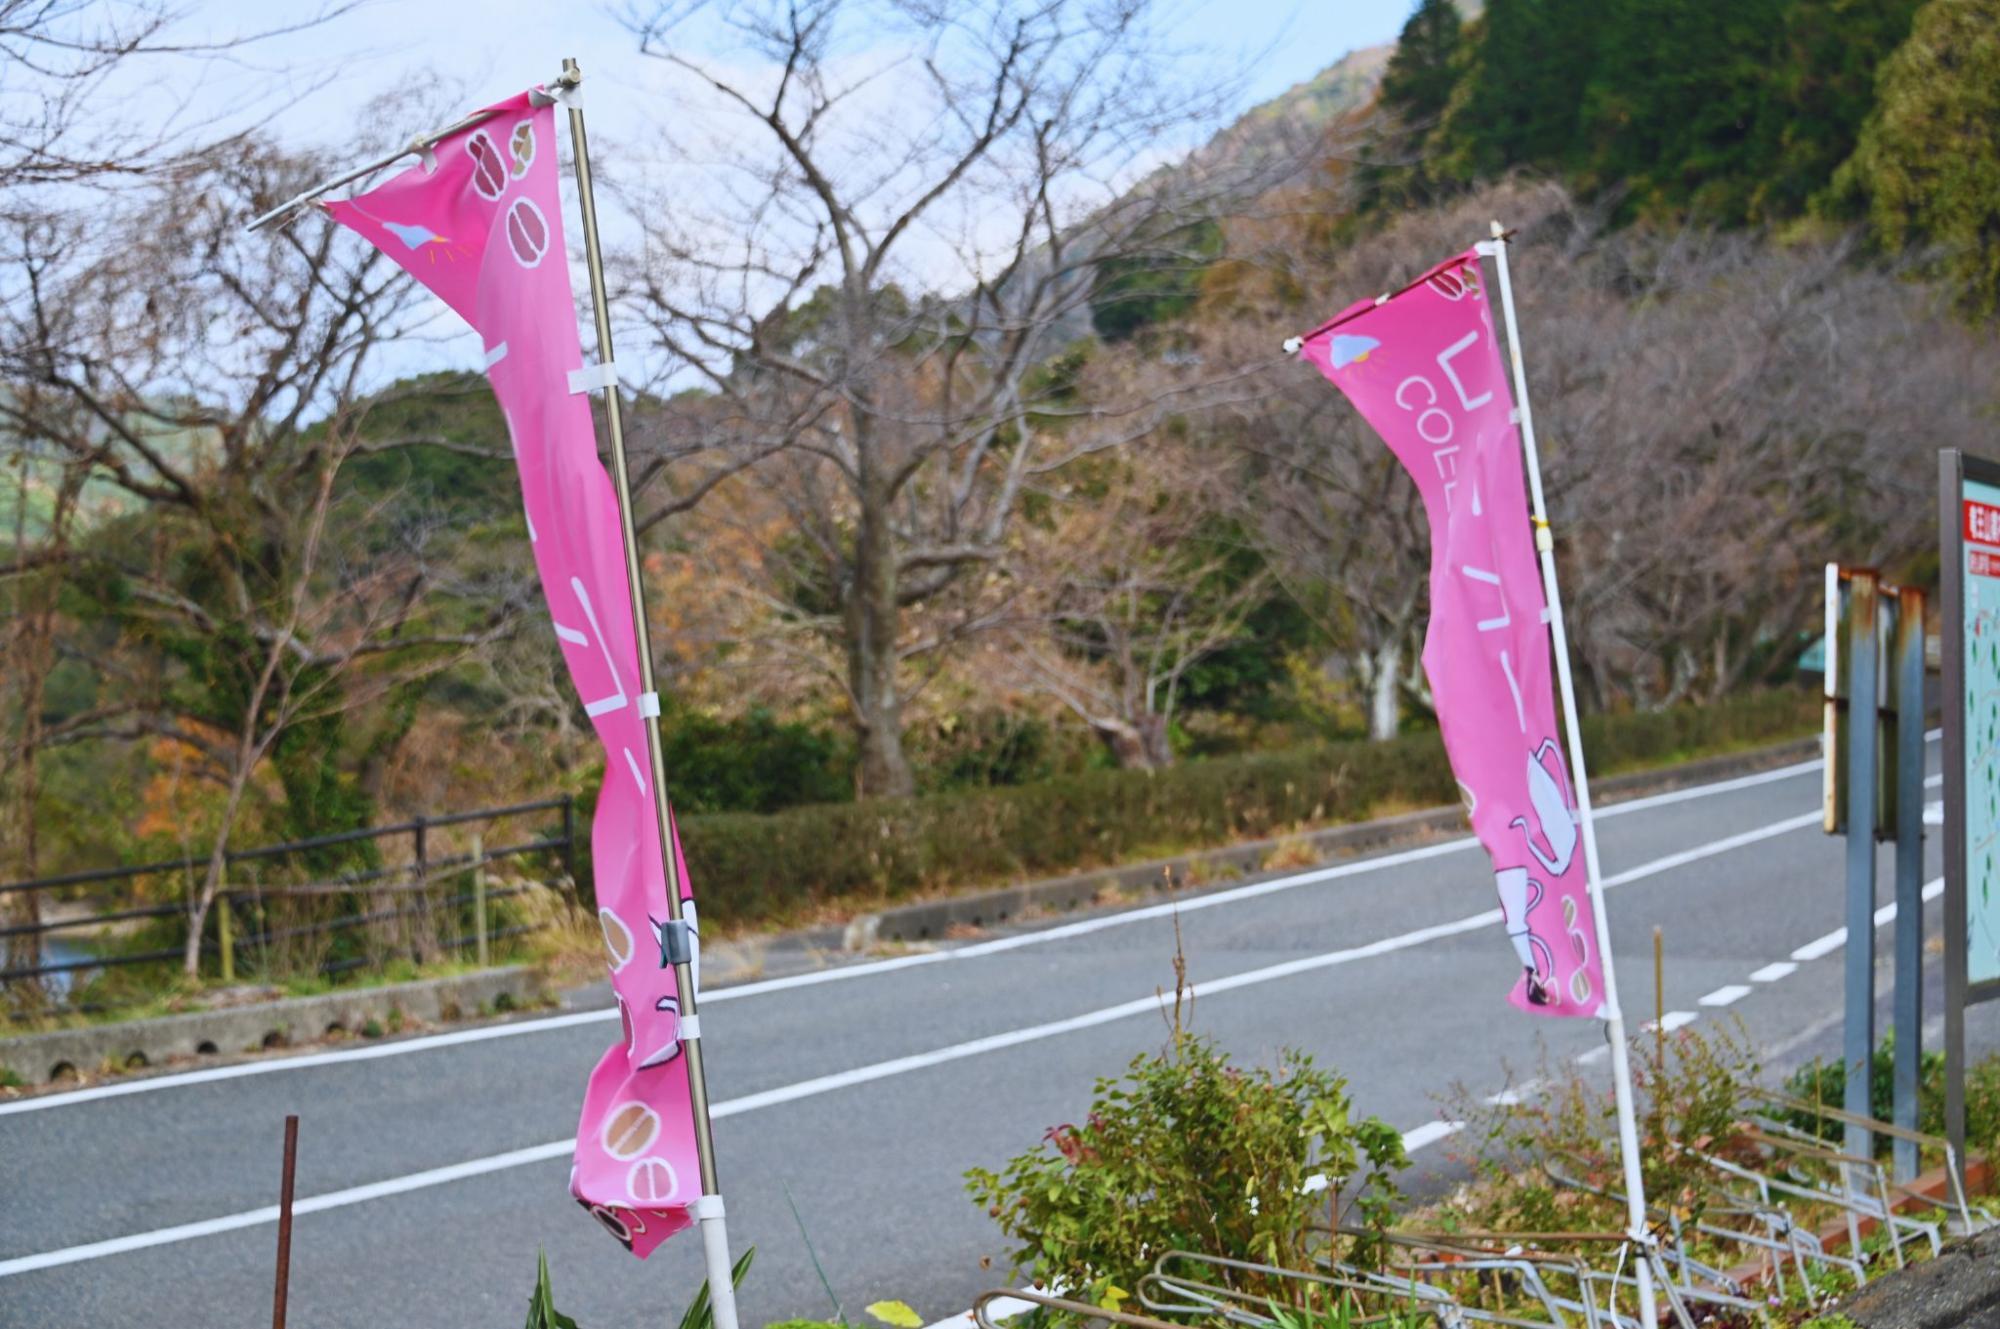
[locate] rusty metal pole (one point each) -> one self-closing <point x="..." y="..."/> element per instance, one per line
<point x="278" y="1297"/>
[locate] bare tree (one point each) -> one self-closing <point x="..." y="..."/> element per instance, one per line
<point x="60" y="120"/>
<point x="986" y="150"/>
<point x="1719" y="415"/>
<point x="213" y="384"/>
<point x="1135" y="578"/>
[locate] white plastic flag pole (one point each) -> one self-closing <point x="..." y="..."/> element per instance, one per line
<point x="1614" y="1018"/>
<point x="708" y="1210"/>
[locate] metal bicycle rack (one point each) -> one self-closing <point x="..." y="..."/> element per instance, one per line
<point x="1971" y="1218"/>
<point x="1183" y="1293"/>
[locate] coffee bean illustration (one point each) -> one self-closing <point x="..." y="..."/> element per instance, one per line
<point x="617" y="938"/>
<point x="630" y="1130"/>
<point x="489" y="173"/>
<point x="522" y="147"/>
<point x="527" y="232"/>
<point x="651" y="1181"/>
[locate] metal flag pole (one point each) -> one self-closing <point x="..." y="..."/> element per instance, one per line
<point x="1614" y="1018"/>
<point x="709" y="1209"/>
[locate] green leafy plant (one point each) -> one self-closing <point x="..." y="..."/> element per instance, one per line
<point x="542" y="1312"/>
<point x="1689" y="1088"/>
<point x="1343" y="1314"/>
<point x="1826" y="1082"/>
<point x="700" y="1314"/>
<point x="1187" y="1151"/>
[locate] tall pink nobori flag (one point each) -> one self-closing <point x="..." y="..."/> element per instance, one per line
<point x="1423" y="367"/>
<point x="480" y="223"/>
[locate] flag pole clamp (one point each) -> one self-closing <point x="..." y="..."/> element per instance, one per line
<point x="704" y="1207"/>
<point x="1545" y="539"/>
<point x="677" y="941"/>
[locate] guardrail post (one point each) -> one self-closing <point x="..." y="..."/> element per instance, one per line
<point x="479" y="898"/>
<point x="569" y="839"/>
<point x="420" y="841"/>
<point x="224" y="925"/>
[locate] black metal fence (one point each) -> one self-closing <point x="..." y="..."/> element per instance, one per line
<point x="418" y="890"/>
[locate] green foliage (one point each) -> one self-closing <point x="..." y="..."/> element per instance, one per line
<point x="1927" y="166"/>
<point x="1739" y="110"/>
<point x="777" y="867"/>
<point x="750" y="763"/>
<point x="1417" y="87"/>
<point x="1688" y="1087"/>
<point x="701" y="1315"/>
<point x="455" y="417"/>
<point x="542" y="1312"/>
<point x="1188" y="1152"/>
<point x="1154" y="284"/>
<point x="1826" y="1082"/>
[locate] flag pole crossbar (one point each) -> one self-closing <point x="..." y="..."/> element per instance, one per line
<point x="420" y="146"/>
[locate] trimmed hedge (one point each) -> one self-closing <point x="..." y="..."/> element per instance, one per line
<point x="755" y="868"/>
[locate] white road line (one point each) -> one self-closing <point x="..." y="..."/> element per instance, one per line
<point x="1725" y="996"/>
<point x="1774" y="971"/>
<point x="1837" y="938"/>
<point x="1671" y="1021"/>
<point x="1430" y="1133"/>
<point x="869" y="968"/>
<point x="880" y="1070"/>
<point x="1514" y="1095"/>
<point x="119" y="1088"/>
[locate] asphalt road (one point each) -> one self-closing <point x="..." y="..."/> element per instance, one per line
<point x="433" y="1170"/>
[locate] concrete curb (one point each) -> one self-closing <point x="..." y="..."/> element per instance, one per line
<point x="254" y="1026"/>
<point x="930" y="920"/>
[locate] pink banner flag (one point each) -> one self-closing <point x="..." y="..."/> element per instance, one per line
<point x="480" y="223"/>
<point x="1423" y="367"/>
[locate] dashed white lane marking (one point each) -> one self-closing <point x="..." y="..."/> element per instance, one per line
<point x="1774" y="971"/>
<point x="1430" y="1133"/>
<point x="880" y="1070"/>
<point x="1725" y="996"/>
<point x="843" y="973"/>
<point x="1834" y="940"/>
<point x="1671" y="1021"/>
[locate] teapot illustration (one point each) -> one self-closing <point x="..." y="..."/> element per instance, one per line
<point x="1520" y="893"/>
<point x="1554" y="823"/>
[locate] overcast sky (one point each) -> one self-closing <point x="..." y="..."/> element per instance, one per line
<point x="307" y="87"/>
<point x="488" y="48"/>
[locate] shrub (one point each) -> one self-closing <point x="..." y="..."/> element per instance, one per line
<point x="1188" y="1152"/>
<point x="1826" y="1082"/>
<point x="757" y="869"/>
<point x="1686" y="1090"/>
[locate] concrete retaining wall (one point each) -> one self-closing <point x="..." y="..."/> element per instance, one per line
<point x="40" y="1058"/>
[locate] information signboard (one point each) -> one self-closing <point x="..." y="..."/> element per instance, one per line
<point x="1969" y="567"/>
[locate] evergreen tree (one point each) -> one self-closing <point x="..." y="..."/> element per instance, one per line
<point x="1927" y="167"/>
<point x="1418" y="81"/>
<point x="1820" y="89"/>
<point x="1416" y="88"/>
<point x="1523" y="93"/>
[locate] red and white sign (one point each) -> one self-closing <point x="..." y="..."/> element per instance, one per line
<point x="1982" y="523"/>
